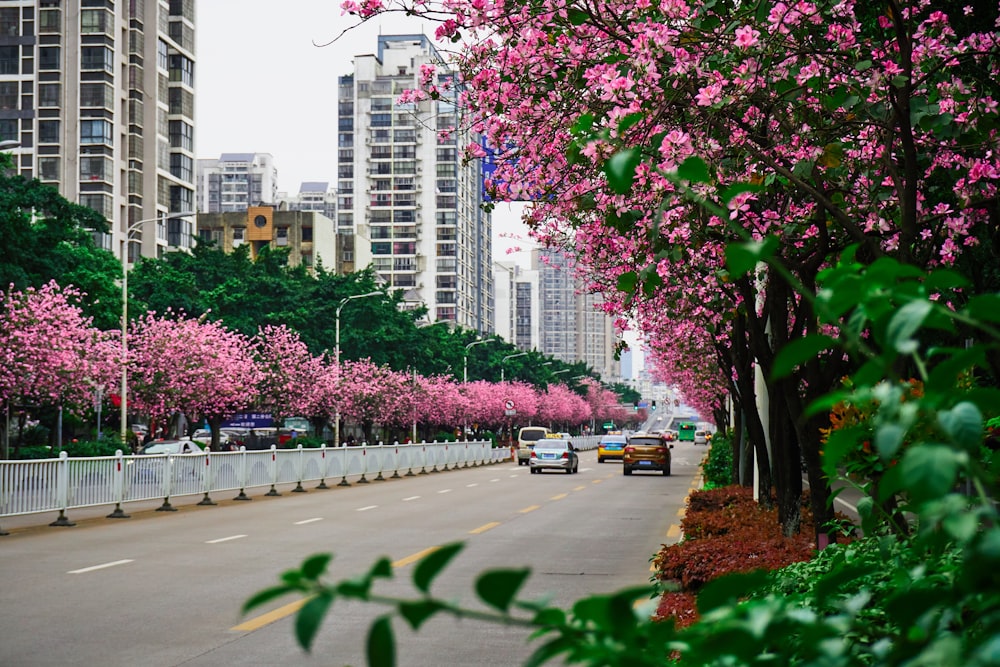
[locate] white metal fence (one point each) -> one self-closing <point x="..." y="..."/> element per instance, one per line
<point x="63" y="484"/>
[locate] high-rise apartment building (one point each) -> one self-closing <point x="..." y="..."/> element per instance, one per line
<point x="401" y="175"/>
<point x="572" y="326"/>
<point x="236" y="181"/>
<point x="318" y="196"/>
<point x="516" y="305"/>
<point x="99" y="95"/>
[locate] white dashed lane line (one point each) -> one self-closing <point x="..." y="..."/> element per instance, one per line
<point x="225" y="539"/>
<point x="305" y="521"/>
<point x="406" y="500"/>
<point x="445" y="491"/>
<point x="469" y="486"/>
<point x="100" y="567"/>
<point x="366" y="508"/>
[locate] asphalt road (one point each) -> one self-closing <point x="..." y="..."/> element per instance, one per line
<point x="165" y="589"/>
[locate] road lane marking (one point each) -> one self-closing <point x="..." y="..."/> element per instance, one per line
<point x="366" y="508"/>
<point x="445" y="491"/>
<point x="513" y="476"/>
<point x="403" y="562"/>
<point x="305" y="521"/>
<point x="271" y="616"/>
<point x="406" y="500"/>
<point x="532" y="508"/>
<point x="681" y="512"/>
<point x="469" y="486"/>
<point x="484" y="527"/>
<point x="100" y="567"/>
<point x="596" y="481"/>
<point x="674" y="531"/>
<point x="580" y="488"/>
<point x="495" y="479"/>
<point x="225" y="539"/>
<point x="559" y="497"/>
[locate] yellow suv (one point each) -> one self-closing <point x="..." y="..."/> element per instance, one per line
<point x="646" y="451"/>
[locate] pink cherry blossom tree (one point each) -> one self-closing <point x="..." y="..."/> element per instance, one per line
<point x="289" y="373"/>
<point x="183" y="365"/>
<point x="50" y="354"/>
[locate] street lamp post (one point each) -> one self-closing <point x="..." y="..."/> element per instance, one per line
<point x="336" y="357"/>
<point x="504" y="360"/>
<point x="126" y="239"/>
<point x="465" y="359"/>
<point x="465" y="377"/>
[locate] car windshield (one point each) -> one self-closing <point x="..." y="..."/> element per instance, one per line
<point x="648" y="441"/>
<point x="551" y="443"/>
<point x="532" y="434"/>
<point x="613" y="440"/>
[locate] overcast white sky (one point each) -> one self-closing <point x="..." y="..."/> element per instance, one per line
<point x="265" y="85"/>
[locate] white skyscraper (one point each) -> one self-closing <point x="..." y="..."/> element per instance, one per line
<point x="401" y="176"/>
<point x="100" y="96"/>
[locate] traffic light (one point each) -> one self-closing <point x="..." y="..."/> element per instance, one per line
<point x="635" y="405"/>
<point x="654" y="403"/>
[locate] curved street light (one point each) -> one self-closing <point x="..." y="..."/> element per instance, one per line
<point x="509" y="356"/>
<point x="465" y="359"/>
<point x="336" y="356"/>
<point x="126" y="239"/>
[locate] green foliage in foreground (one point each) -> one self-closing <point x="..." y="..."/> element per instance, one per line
<point x="928" y="595"/>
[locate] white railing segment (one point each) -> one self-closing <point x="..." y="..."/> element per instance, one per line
<point x="29" y="487"/>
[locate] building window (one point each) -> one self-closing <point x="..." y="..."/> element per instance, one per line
<point x="96" y="95"/>
<point x="49" y="20"/>
<point x="381" y="248"/>
<point x="48" y="94"/>
<point x="48" y="57"/>
<point x="48" y="132"/>
<point x="162" y="60"/>
<point x="95" y="168"/>
<point x="307" y="234"/>
<point x="8" y="129"/>
<point x="97" y="58"/>
<point x="10" y="60"/>
<point x="10" y="23"/>
<point x="238" y="234"/>
<point x="182" y="69"/>
<point x="8" y="95"/>
<point x="48" y="168"/>
<point x="181" y="199"/>
<point x="181" y="135"/>
<point x="98" y="202"/>
<point x="94" y="21"/>
<point x="95" y="132"/>
<point x="181" y="166"/>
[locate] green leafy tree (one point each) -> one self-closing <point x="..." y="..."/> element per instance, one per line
<point x="44" y="237"/>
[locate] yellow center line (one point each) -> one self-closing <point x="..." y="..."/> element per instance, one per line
<point x="271" y="616"/>
<point x="559" y="497"/>
<point x="674" y="531"/>
<point x="403" y="562"/>
<point x="596" y="481"/>
<point x="580" y="488"/>
<point x="484" y="527"/>
<point x="681" y="512"/>
<point x="531" y="508"/>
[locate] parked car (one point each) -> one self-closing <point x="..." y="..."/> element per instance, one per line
<point x="204" y="436"/>
<point x="526" y="439"/>
<point x="611" y="447"/>
<point x="646" y="451"/>
<point x="701" y="437"/>
<point x="554" y="452"/>
<point x="171" y="447"/>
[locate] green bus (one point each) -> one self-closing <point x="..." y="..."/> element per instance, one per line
<point x="685" y="429"/>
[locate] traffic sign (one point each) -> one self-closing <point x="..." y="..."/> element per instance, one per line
<point x="508" y="404"/>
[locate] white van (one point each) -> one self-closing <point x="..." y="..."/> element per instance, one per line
<point x="526" y="439"/>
